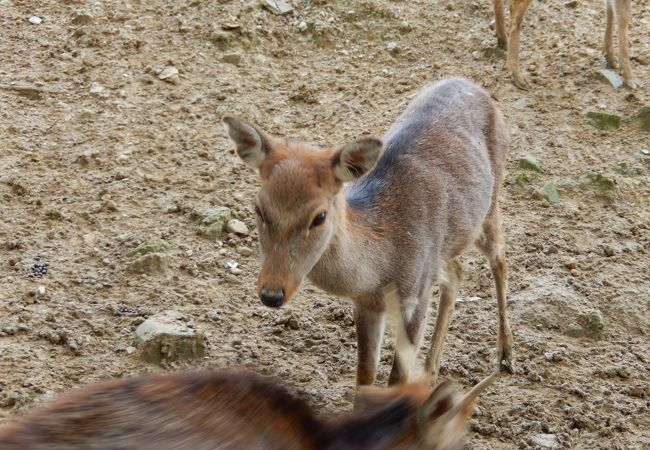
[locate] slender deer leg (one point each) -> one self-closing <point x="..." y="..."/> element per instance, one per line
<point x="410" y="325"/>
<point x="451" y="279"/>
<point x="623" y="16"/>
<point x="608" y="45"/>
<point x="500" y="20"/>
<point x="492" y="246"/>
<point x="517" y="11"/>
<point x="370" y="323"/>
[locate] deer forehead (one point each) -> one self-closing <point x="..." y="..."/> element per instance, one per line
<point x="296" y="183"/>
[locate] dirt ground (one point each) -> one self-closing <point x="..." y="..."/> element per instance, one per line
<point x="103" y="155"/>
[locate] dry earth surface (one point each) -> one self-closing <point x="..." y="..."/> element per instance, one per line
<point x="100" y="155"/>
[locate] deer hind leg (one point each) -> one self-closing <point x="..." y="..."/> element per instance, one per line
<point x="450" y="281"/>
<point x="370" y="323"/>
<point x="500" y="20"/>
<point x="517" y="11"/>
<point x="491" y="244"/>
<point x="410" y="314"/>
<point x="623" y="18"/>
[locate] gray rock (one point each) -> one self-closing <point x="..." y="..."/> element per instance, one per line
<point x="149" y="264"/>
<point x="643" y="118"/>
<point x="215" y="220"/>
<point x="170" y="75"/>
<point x="604" y="121"/>
<point x="545" y="440"/>
<point x="162" y="338"/>
<point x="237" y="227"/>
<point x="549" y="192"/>
<point x="610" y="76"/>
<point x="82" y="18"/>
<point x="530" y="162"/>
<point x="96" y="88"/>
<point x="278" y="7"/>
<point x="232" y="58"/>
<point x="244" y="251"/>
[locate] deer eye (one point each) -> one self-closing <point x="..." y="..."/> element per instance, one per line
<point x="318" y="220"/>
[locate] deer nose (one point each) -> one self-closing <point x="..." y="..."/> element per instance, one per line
<point x="272" y="297"/>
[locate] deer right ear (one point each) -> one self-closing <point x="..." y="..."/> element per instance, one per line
<point x="252" y="144"/>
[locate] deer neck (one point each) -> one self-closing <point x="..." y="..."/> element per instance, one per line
<point x="348" y="266"/>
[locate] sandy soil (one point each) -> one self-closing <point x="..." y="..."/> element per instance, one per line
<point x="103" y="156"/>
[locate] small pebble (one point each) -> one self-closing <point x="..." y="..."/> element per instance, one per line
<point x="36" y="20"/>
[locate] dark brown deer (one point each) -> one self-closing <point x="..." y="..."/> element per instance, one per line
<point x="433" y="193"/>
<point x="619" y="9"/>
<point x="238" y="410"/>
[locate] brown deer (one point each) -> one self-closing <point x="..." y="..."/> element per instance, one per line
<point x="619" y="9"/>
<point x="238" y="410"/>
<point x="431" y="195"/>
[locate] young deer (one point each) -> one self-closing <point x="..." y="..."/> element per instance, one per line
<point x="432" y="194"/>
<point x="237" y="410"/>
<point x="615" y="8"/>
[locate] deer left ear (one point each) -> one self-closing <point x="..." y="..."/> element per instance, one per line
<point x="356" y="159"/>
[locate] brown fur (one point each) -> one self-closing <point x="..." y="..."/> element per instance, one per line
<point x="619" y="9"/>
<point x="234" y="410"/>
<point x="432" y="194"/>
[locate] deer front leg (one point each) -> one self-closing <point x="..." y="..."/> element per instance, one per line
<point x="450" y="282"/>
<point x="370" y="323"/>
<point x="608" y="44"/>
<point x="517" y="11"/>
<point x="623" y="17"/>
<point x="409" y="323"/>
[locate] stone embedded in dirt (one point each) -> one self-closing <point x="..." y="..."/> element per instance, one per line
<point x="521" y="103"/>
<point x="237" y="227"/>
<point x="151" y="247"/>
<point x="642" y="119"/>
<point x="393" y="48"/>
<point x="601" y="181"/>
<point x="611" y="77"/>
<point x="549" y="192"/>
<point x="278" y="7"/>
<point x="96" y="88"/>
<point x="604" y="121"/>
<point x="244" y="251"/>
<point x="215" y="221"/>
<point x="592" y="320"/>
<point x="405" y="27"/>
<point x="556" y="355"/>
<point x="221" y="38"/>
<point x="545" y="441"/>
<point x="82" y="18"/>
<point x="232" y="58"/>
<point x="35" y="20"/>
<point x="170" y="75"/>
<point x="529" y="162"/>
<point x="163" y="338"/>
<point x="570" y="4"/>
<point x="574" y="330"/>
<point x="149" y="264"/>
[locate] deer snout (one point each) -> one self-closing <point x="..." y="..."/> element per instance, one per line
<point x="273" y="298"/>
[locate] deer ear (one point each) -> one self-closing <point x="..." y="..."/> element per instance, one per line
<point x="441" y="400"/>
<point x="356" y="159"/>
<point x="252" y="143"/>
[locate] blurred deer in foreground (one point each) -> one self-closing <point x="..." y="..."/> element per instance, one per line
<point x="616" y="9"/>
<point x="238" y="410"/>
<point x="431" y="195"/>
